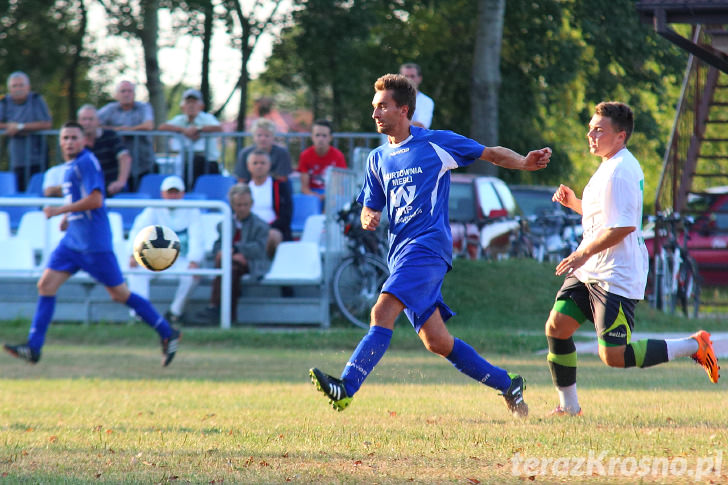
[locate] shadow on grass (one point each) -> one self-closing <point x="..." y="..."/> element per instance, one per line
<point x="416" y="367"/>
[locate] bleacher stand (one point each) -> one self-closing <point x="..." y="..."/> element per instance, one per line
<point x="214" y="186"/>
<point x="303" y="206"/>
<point x="150" y="184"/>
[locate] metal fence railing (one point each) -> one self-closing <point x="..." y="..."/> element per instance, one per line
<point x="173" y="153"/>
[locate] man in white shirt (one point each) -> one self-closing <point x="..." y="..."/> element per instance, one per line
<point x="272" y="199"/>
<point x="193" y="123"/>
<point x="424" y="105"/>
<point x="607" y="274"/>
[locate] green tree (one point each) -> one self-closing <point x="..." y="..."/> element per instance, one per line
<point x="45" y="39"/>
<point x="558" y="59"/>
<point x="336" y="49"/>
<point x="138" y="19"/>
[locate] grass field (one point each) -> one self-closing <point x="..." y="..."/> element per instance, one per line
<point x="237" y="407"/>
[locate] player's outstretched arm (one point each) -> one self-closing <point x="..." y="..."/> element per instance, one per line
<point x="507" y="158"/>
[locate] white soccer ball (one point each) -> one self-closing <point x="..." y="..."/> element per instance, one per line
<point x="156" y="247"/>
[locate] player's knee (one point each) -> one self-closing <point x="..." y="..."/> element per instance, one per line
<point x="612" y="356"/>
<point x="438" y="346"/>
<point x="43" y="286"/>
<point x="382" y="315"/>
<point x="553" y="329"/>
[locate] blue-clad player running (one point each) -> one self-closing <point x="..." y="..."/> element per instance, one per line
<point x="86" y="246"/>
<point x="410" y="177"/>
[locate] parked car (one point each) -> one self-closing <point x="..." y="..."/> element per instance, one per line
<point x="708" y="242"/>
<point x="482" y="214"/>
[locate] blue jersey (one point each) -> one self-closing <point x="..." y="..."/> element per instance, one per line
<point x="412" y="179"/>
<point x="88" y="231"/>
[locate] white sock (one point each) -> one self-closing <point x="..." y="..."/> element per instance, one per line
<point x="682" y="347"/>
<point x="568" y="399"/>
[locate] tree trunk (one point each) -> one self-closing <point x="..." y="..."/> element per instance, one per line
<point x="148" y="36"/>
<point x="486" y="78"/>
<point x="206" y="43"/>
<point x="76" y="62"/>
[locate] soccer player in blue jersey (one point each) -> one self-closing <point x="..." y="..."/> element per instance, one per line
<point x="409" y="176"/>
<point x="86" y="246"/>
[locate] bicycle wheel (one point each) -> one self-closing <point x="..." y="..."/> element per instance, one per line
<point x="689" y="291"/>
<point x="357" y="283"/>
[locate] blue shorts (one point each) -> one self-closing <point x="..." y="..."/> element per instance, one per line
<point x="416" y="279"/>
<point x="102" y="266"/>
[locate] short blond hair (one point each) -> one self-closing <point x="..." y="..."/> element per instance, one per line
<point x="264" y="124"/>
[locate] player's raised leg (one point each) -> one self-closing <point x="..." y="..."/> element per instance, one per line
<point x="48" y="285"/>
<point x="365" y="357"/>
<point x="563" y="321"/>
<point x="463" y="357"/>
<point x="169" y="336"/>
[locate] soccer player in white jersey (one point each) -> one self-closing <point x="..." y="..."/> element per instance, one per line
<point x="410" y="178"/>
<point x="86" y="246"/>
<point x="607" y="274"/>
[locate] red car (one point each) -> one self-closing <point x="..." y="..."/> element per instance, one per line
<point x="481" y="211"/>
<point x="708" y="242"/>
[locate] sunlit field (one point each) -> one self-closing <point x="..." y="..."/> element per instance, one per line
<point x="108" y="414"/>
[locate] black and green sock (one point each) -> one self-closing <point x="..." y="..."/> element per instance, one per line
<point x="562" y="361"/>
<point x="645" y="353"/>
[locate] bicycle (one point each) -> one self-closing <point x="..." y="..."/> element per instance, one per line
<point x="676" y="279"/>
<point x="358" y="279"/>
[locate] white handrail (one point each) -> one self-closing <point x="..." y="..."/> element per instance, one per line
<point x="224" y="271"/>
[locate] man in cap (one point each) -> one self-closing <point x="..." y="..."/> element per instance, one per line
<point x="187" y="223"/>
<point x="191" y="124"/>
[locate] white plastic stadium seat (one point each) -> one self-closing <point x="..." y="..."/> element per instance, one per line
<point x="4" y="226"/>
<point x="16" y="254"/>
<point x="295" y="263"/>
<point x="32" y="229"/>
<point x="313" y="228"/>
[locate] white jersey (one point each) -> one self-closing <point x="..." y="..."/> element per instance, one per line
<point x="424" y="106"/>
<point x="613" y="198"/>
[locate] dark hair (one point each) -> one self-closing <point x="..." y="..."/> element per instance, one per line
<point x="620" y="114"/>
<point x="323" y="122"/>
<point x="411" y="65"/>
<point x="72" y="124"/>
<point x="258" y="151"/>
<point x="403" y="91"/>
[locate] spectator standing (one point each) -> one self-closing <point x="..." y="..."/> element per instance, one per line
<point x="21" y="113"/>
<point x="273" y="201"/>
<point x="109" y="149"/>
<point x="127" y="114"/>
<point x="192" y="123"/>
<point x="314" y="160"/>
<point x="187" y="223"/>
<point x="264" y="132"/>
<point x="424" y="105"/>
<point x="250" y="234"/>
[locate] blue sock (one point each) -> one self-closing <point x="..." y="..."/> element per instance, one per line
<point x="146" y="312"/>
<point x="469" y="362"/>
<point x="41" y="320"/>
<point x="366" y="355"/>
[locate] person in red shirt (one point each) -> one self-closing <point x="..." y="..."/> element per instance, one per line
<point x="315" y="159"/>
